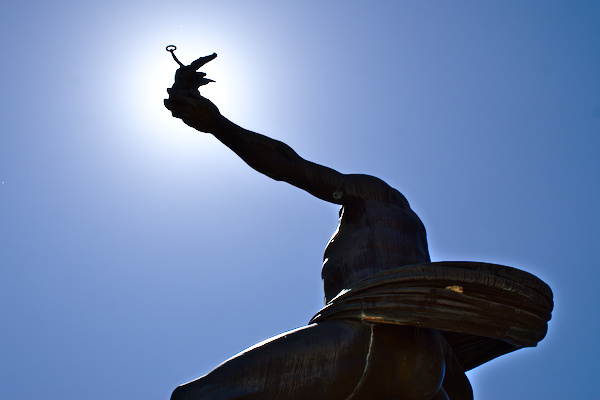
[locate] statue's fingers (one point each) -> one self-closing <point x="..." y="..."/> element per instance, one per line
<point x="175" y="102"/>
<point x="177" y="97"/>
<point x="174" y="107"/>
<point x="168" y="104"/>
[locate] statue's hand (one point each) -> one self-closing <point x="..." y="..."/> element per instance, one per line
<point x="196" y="111"/>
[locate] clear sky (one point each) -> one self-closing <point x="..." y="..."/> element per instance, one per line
<point x="136" y="254"/>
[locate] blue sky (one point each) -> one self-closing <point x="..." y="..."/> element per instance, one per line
<point x="137" y="254"/>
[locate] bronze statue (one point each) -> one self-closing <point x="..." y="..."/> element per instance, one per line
<point x="395" y="325"/>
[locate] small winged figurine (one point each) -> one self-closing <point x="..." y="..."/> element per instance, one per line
<point x="187" y="77"/>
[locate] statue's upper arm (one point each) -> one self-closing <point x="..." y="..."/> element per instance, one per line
<point x="366" y="187"/>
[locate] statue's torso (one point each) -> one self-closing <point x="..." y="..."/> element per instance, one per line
<point x="372" y="236"/>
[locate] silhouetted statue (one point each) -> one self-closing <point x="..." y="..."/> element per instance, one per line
<point x="395" y="325"/>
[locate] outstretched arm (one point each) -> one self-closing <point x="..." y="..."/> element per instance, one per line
<point x="273" y="158"/>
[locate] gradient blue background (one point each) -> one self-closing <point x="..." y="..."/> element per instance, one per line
<point x="137" y="254"/>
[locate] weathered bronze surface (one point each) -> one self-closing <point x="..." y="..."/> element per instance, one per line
<point x="395" y="325"/>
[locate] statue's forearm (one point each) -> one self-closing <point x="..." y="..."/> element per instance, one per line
<point x="279" y="161"/>
<point x="258" y="151"/>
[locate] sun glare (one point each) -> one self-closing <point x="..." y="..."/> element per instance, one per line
<point x="145" y="71"/>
